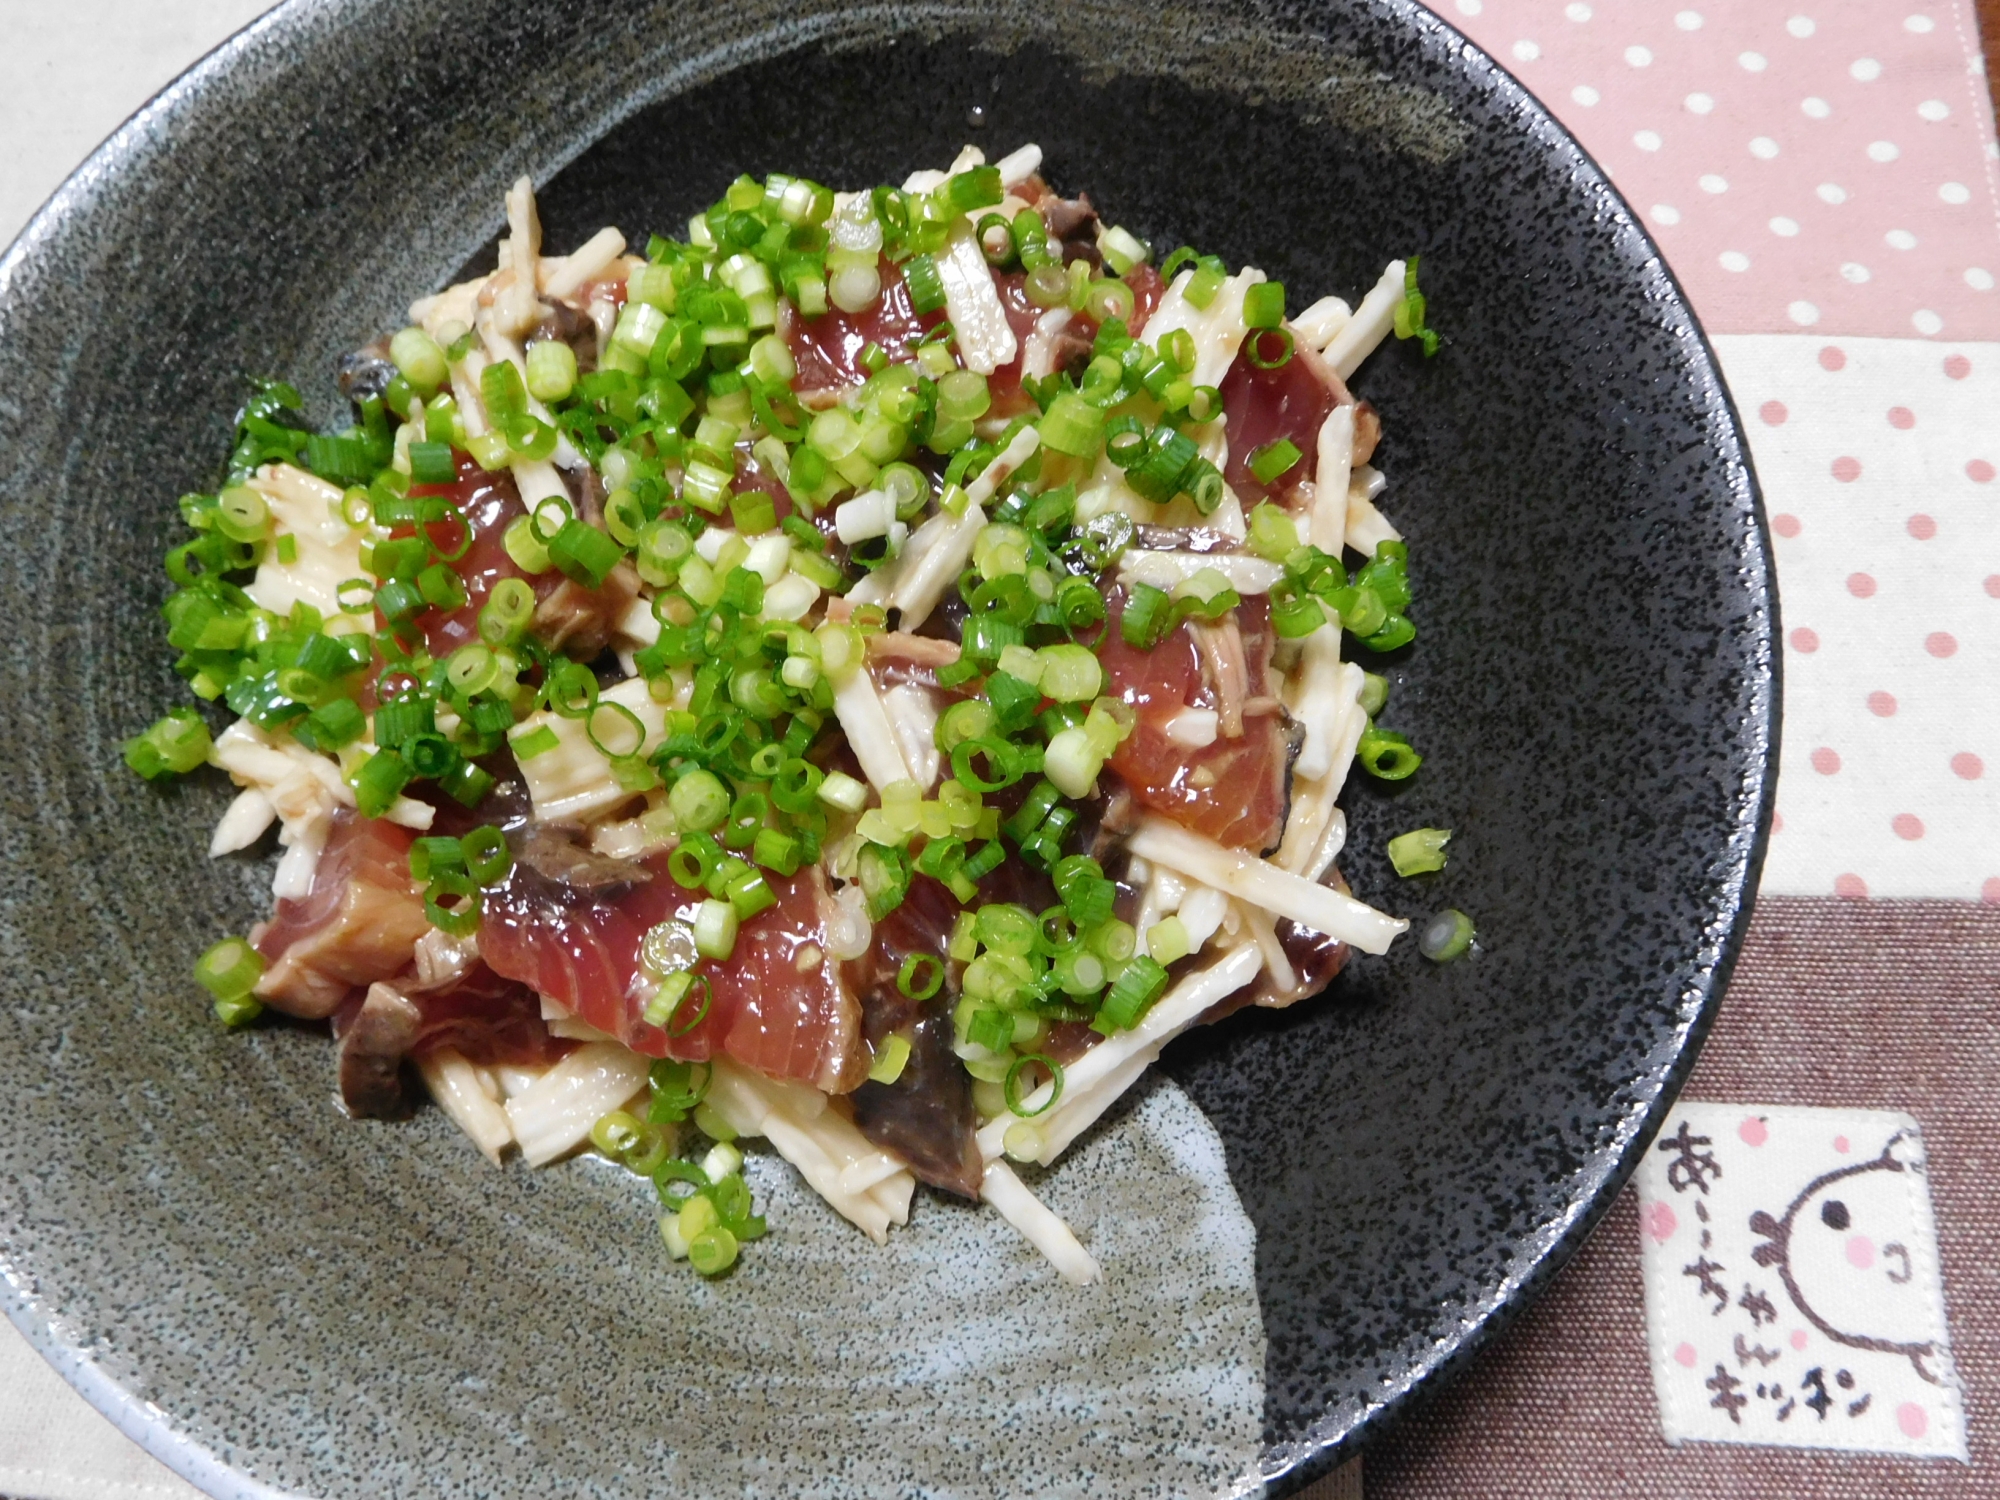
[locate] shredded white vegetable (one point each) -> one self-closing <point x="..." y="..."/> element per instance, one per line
<point x="1328" y="527"/>
<point x="869" y="733"/>
<point x="1277" y="890"/>
<point x="979" y="322"/>
<point x="455" y="1084"/>
<point x="1373" y="319"/>
<point x="1218" y="330"/>
<point x="1246" y="572"/>
<point x="588" y="262"/>
<point x="821" y="1143"/>
<point x="307" y="508"/>
<point x="575" y="780"/>
<point x="1047" y="1233"/>
<point x="1020" y="448"/>
<point x="553" y="1116"/>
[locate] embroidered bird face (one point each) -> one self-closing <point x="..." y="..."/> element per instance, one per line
<point x="1842" y="1251"/>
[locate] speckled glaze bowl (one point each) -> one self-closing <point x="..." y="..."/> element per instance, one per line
<point x="1310" y="1217"/>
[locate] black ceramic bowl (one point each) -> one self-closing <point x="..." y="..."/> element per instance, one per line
<point x="266" y="1295"/>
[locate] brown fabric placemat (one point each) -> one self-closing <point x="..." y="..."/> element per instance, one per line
<point x="1873" y="1004"/>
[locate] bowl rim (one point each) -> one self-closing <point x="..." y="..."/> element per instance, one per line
<point x="1311" y="1456"/>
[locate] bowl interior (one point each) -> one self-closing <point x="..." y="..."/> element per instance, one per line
<point x="252" y="1284"/>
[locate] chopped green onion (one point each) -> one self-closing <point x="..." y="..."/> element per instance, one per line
<point x="380" y="782"/>
<point x="528" y="550"/>
<point x="537" y="741"/>
<point x="715" y="924"/>
<point x="1419" y="851"/>
<point x="713" y="1251"/>
<point x="435" y="856"/>
<point x="551" y="370"/>
<point x="1385" y="754"/>
<point x="699" y="801"/>
<point x="1073" y="426"/>
<point x="844" y="792"/>
<point x="1148" y="617"/>
<point x="1273" y="459"/>
<point x="1297" y="616"/>
<point x="230" y="969"/>
<point x="1269" y="348"/>
<point x="416" y="354"/>
<point x="890" y="1059"/>
<point x="1409" y="317"/>
<point x="432" y="463"/>
<point x="924" y="284"/>
<point x="921" y="976"/>
<point x="1374" y="695"/>
<point x="1446" y="936"/>
<point x="460" y="920"/>
<point x="1016" y="1097"/>
<point x="1264" y="305"/>
<point x="584" y="554"/>
<point x="174" y="746"/>
<point x="1138" y="985"/>
<point x="487" y="857"/>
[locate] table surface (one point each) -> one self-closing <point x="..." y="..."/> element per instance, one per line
<point x="71" y="76"/>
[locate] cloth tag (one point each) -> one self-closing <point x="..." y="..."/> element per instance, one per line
<point x="1793" y="1294"/>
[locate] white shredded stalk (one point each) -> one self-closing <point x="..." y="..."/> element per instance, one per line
<point x="1322" y="688"/>
<point x="454" y="1083"/>
<point x="1039" y="357"/>
<point x="1201" y="913"/>
<point x="455" y="304"/>
<point x="1327" y="527"/>
<point x="1246" y="572"/>
<point x="1372" y="320"/>
<point x="913" y="718"/>
<point x="1218" y="330"/>
<point x="924" y="180"/>
<point x="985" y="338"/>
<point x="628" y="838"/>
<point x="1264" y="933"/>
<point x="1020" y="448"/>
<point x="441" y="958"/>
<point x="1094" y="1081"/>
<point x="243" y="823"/>
<point x="1194" y="728"/>
<point x="301" y="788"/>
<point x="1081" y="1110"/>
<point x="574" y="779"/>
<point x="587" y="263"/>
<point x="304" y="843"/>
<point x="1018" y="165"/>
<point x="937" y="553"/>
<point x="1317" y="325"/>
<point x="1367" y="527"/>
<point x="1041" y="1227"/>
<point x="516" y="309"/>
<point x="554" y="1115"/>
<point x="1367" y="479"/>
<point x="1277" y="890"/>
<point x="821" y="1143"/>
<point x="307" y="508"/>
<point x="869" y="733"/>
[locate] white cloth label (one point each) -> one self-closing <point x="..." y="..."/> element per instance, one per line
<point x="1793" y="1294"/>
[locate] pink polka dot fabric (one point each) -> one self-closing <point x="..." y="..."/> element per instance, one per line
<point x="1886" y="543"/>
<point x="1822" y="177"/>
<point x="1823" y="164"/>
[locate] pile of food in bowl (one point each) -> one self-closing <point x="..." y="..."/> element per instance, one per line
<point x="865" y="676"/>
